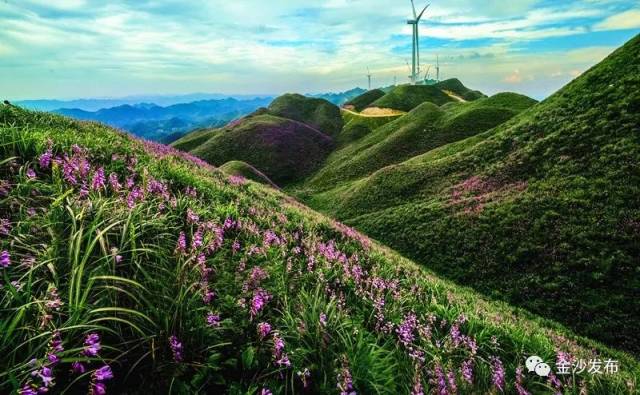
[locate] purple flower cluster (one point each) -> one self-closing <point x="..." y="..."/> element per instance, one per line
<point x="5" y="259"/>
<point x="264" y="328"/>
<point x="213" y="320"/>
<point x="91" y="345"/>
<point x="467" y="371"/>
<point x="176" y="348"/>
<point x="497" y="373"/>
<point x="99" y="376"/>
<point x="259" y="300"/>
<point x="345" y="381"/>
<point x="42" y="379"/>
<point x="519" y="382"/>
<point x="280" y="357"/>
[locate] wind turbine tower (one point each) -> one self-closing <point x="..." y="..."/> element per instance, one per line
<point x="369" y="77"/>
<point x="415" y="65"/>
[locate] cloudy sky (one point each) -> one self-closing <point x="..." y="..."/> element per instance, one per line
<point x="87" y="48"/>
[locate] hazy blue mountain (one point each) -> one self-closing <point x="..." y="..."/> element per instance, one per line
<point x="339" y="98"/>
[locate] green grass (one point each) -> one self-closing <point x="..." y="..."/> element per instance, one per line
<point x="358" y="126"/>
<point x="408" y="97"/>
<point x="317" y="113"/>
<point x="454" y="85"/>
<point x="423" y="129"/>
<point x="243" y="169"/>
<point x="283" y="149"/>
<point x="541" y="211"/>
<point x="364" y="100"/>
<point x="113" y="256"/>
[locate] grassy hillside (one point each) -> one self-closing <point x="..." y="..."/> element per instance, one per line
<point x="408" y="97"/>
<point x="425" y="128"/>
<point x="357" y="126"/>
<point x="455" y="86"/>
<point x="364" y="100"/>
<point x="542" y="211"/>
<point x="132" y="266"/>
<point x="242" y="169"/>
<point x="285" y="150"/>
<point x="317" y="113"/>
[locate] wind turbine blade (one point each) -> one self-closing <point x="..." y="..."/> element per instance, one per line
<point x="423" y="10"/>
<point x="414" y="9"/>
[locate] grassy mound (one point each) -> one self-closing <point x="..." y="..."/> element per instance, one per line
<point x="543" y="208"/>
<point x="357" y="126"/>
<point x="317" y="113"/>
<point x="242" y="169"/>
<point x="133" y="266"/>
<point x="455" y="86"/>
<point x="424" y="128"/>
<point x="286" y="150"/>
<point x="364" y="100"/>
<point x="408" y="97"/>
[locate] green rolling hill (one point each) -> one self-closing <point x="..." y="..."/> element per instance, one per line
<point x="456" y="87"/>
<point x="132" y="265"/>
<point x="283" y="149"/>
<point x="361" y="102"/>
<point x="317" y="113"/>
<point x="542" y="211"/>
<point x="424" y="128"/>
<point x="408" y="97"/>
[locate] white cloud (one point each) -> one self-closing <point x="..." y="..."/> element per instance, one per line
<point x="625" y="20"/>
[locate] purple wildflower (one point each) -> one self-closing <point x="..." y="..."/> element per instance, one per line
<point x="259" y="300"/>
<point x="453" y="386"/>
<point x="519" y="380"/>
<point x="237" y="180"/>
<point x="192" y="217"/>
<point x="345" y="381"/>
<point x="78" y="367"/>
<point x="45" y="159"/>
<point x="323" y="319"/>
<point x="53" y="358"/>
<point x="28" y="389"/>
<point x="46" y="375"/>
<point x="114" y="183"/>
<point x="264" y="328"/>
<point x="103" y="374"/>
<point x="98" y="388"/>
<point x="208" y="296"/>
<point x="182" y="243"/>
<point x="98" y="181"/>
<point x="31" y="174"/>
<point x="406" y="328"/>
<point x="197" y="239"/>
<point x="467" y="371"/>
<point x="56" y="342"/>
<point x="418" y="388"/>
<point x="213" y="320"/>
<point x="92" y="345"/>
<point x="176" y="348"/>
<point x="265" y="391"/>
<point x="5" y="259"/>
<point x="497" y="373"/>
<point x="439" y="380"/>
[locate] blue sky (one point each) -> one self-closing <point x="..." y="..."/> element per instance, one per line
<point x="86" y="48"/>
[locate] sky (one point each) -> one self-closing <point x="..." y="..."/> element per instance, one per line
<point x="67" y="49"/>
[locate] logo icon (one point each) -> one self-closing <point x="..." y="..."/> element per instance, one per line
<point x="535" y="364"/>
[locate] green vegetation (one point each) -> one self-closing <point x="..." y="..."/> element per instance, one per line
<point x="286" y="150"/>
<point x="542" y="211"/>
<point x="243" y="169"/>
<point x="317" y="113"/>
<point x="423" y="129"/>
<point x="455" y="86"/>
<point x="364" y="100"/>
<point x="408" y="97"/>
<point x="357" y="126"/>
<point x="135" y="266"/>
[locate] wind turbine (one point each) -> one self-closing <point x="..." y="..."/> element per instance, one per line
<point x="369" y="77"/>
<point x="426" y="75"/>
<point x="415" y="67"/>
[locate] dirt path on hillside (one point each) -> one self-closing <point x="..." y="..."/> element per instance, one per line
<point x="454" y="96"/>
<point x="376" y="112"/>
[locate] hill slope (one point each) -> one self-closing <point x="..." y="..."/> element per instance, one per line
<point x="165" y="277"/>
<point x="543" y="208"/>
<point x="424" y="128"/>
<point x="364" y="100"/>
<point x="242" y="169"/>
<point x="456" y="87"/>
<point x="408" y="97"/>
<point x="284" y="149"/>
<point x="317" y="113"/>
